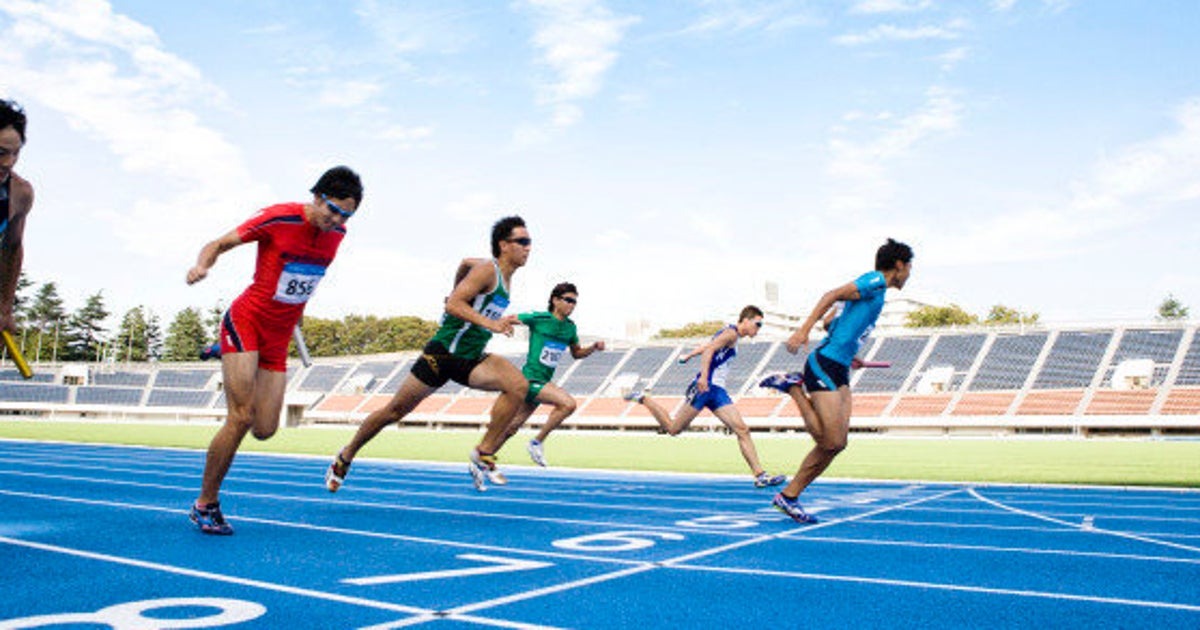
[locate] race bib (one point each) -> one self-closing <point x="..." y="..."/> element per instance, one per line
<point x="297" y="282"/>
<point x="495" y="309"/>
<point x="552" y="353"/>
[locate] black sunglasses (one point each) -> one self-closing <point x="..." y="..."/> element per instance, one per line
<point x="568" y="300"/>
<point x="523" y="241"/>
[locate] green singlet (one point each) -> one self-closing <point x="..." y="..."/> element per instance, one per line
<point x="549" y="338"/>
<point x="465" y="340"/>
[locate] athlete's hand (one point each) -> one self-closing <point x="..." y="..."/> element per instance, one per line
<point x="702" y="385"/>
<point x="599" y="345"/>
<point x="8" y="322"/>
<point x="196" y="274"/>
<point x="855" y="363"/>
<point x="798" y="338"/>
<point x="504" y="325"/>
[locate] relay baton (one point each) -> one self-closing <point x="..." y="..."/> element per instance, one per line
<point x="301" y="347"/>
<point x="17" y="357"/>
<point x="876" y="364"/>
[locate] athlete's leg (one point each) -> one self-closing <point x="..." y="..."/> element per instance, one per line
<point x="238" y="371"/>
<point x="518" y="420"/>
<point x="564" y="406"/>
<point x="268" y="402"/>
<point x="732" y="418"/>
<point x="828" y="420"/>
<point x="412" y="391"/>
<point x="672" y="426"/>
<point x="496" y="374"/>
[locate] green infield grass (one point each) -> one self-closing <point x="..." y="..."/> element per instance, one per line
<point x="1109" y="461"/>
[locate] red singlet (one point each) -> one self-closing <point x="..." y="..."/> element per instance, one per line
<point x="292" y="257"/>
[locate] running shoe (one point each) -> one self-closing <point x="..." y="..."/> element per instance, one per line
<point x="765" y="479"/>
<point x="335" y="475"/>
<point x="792" y="508"/>
<point x="210" y="520"/>
<point x="478" y="467"/>
<point x="493" y="471"/>
<point x="782" y="382"/>
<point x="537" y="453"/>
<point x="636" y="397"/>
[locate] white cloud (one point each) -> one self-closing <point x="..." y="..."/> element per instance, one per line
<point x="891" y="6"/>
<point x="407" y="137"/>
<point x="889" y="32"/>
<point x="347" y="94"/>
<point x="941" y="112"/>
<point x="951" y="58"/>
<point x="113" y="81"/>
<point x="474" y="208"/>
<point x="577" y="40"/>
<point x="1002" y="6"/>
<point x="735" y="16"/>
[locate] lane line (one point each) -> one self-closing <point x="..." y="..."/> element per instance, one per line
<point x="533" y="594"/>
<point x="330" y="529"/>
<point x="217" y="577"/>
<point x="1080" y="527"/>
<point x="1017" y="550"/>
<point x="946" y="587"/>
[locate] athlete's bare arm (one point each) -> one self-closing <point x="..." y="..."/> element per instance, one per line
<point x="12" y="252"/>
<point x="847" y="292"/>
<point x="480" y="279"/>
<point x="209" y="254"/>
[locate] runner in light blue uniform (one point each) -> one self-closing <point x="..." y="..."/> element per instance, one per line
<point x="708" y="391"/>
<point x="826" y="377"/>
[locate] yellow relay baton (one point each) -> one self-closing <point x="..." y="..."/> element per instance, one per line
<point x="17" y="357"/>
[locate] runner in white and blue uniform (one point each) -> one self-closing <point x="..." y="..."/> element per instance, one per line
<point x="708" y="391"/>
<point x="824" y="400"/>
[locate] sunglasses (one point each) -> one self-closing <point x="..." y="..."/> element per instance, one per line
<point x="345" y="214"/>
<point x="523" y="241"/>
<point x="568" y="300"/>
<point x="758" y="323"/>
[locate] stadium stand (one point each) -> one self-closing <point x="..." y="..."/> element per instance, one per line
<point x="1074" y="379"/>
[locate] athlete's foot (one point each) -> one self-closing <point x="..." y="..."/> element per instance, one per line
<point x="477" y="465"/>
<point x="792" y="508"/>
<point x="765" y="479"/>
<point x="637" y="397"/>
<point x="209" y="519"/>
<point x="335" y="475"/>
<point x="782" y="382"/>
<point x="537" y="452"/>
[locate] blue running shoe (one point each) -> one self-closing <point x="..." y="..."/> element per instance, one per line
<point x="782" y="382"/>
<point x="792" y="508"/>
<point x="764" y="479"/>
<point x="210" y="520"/>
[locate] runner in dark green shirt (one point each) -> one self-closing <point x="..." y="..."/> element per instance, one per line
<point x="474" y="311"/>
<point x="551" y="334"/>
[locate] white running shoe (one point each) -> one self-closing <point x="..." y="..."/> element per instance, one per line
<point x="537" y="453"/>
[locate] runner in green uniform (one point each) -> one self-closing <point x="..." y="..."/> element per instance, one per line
<point x="474" y="312"/>
<point x="551" y="333"/>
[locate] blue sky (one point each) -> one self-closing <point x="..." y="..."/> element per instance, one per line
<point x="670" y="158"/>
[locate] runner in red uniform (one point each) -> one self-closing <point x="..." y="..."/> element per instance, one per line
<point x="296" y="243"/>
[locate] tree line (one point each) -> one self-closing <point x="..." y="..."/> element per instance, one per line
<point x="47" y="331"/>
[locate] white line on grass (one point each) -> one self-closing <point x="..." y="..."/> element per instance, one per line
<point x="1081" y="527"/>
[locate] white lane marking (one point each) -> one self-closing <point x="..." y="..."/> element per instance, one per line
<point x="1092" y="530"/>
<point x="498" y="565"/>
<point x="636" y="570"/>
<point x="325" y="528"/>
<point x="946" y="587"/>
<point x="1017" y="550"/>
<point x="208" y="575"/>
<point x="385" y="506"/>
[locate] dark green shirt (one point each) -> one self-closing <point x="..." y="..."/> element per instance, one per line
<point x="549" y="338"/>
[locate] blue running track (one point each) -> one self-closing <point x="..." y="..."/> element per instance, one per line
<point x="98" y="536"/>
